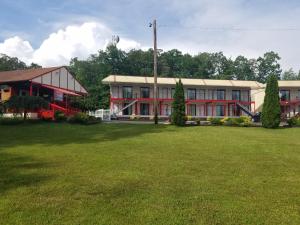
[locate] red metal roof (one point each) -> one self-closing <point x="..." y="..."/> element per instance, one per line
<point x="23" y="75"/>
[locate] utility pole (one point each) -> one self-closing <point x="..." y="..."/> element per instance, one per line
<point x="155" y="72"/>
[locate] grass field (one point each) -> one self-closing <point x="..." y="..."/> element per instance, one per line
<point x="140" y="174"/>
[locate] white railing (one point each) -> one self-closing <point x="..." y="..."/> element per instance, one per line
<point x="104" y="114"/>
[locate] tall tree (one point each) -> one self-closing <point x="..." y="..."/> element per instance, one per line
<point x="243" y="69"/>
<point x="290" y="75"/>
<point x="140" y="63"/>
<point x="267" y="65"/>
<point x="271" y="107"/>
<point x="171" y="63"/>
<point x="178" y="106"/>
<point x="223" y="67"/>
<point x="205" y="66"/>
<point x="10" y="63"/>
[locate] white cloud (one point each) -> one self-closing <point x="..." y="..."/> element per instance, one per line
<point x="16" y="47"/>
<point x="73" y="41"/>
<point x="255" y="38"/>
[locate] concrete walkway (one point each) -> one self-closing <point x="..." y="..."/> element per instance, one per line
<point x="135" y="122"/>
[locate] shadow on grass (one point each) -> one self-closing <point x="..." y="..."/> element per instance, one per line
<point x="20" y="171"/>
<point x="50" y="134"/>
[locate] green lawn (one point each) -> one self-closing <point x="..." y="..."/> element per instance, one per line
<point x="141" y="174"/>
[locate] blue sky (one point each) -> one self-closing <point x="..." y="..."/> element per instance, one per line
<point x="52" y="32"/>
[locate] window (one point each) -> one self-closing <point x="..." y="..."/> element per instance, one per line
<point x="127" y="92"/>
<point x="191" y="94"/>
<point x="220" y="110"/>
<point x="128" y="110"/>
<point x="201" y="94"/>
<point x="164" y="92"/>
<point x="284" y="95"/>
<point x="145" y="92"/>
<point x="23" y="93"/>
<point x="144" y="109"/>
<point x="220" y="94"/>
<point x="192" y="110"/>
<point x="245" y="96"/>
<point x="167" y="110"/>
<point x="236" y="95"/>
<point x="210" y="94"/>
<point x="172" y="92"/>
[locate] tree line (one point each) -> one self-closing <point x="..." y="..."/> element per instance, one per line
<point x="172" y="63"/>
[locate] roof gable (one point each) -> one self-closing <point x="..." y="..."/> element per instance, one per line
<point x="23" y="75"/>
<point x="58" y="77"/>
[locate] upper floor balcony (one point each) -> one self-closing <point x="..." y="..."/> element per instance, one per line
<point x="192" y="95"/>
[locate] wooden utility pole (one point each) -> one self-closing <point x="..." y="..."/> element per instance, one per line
<point x="155" y="73"/>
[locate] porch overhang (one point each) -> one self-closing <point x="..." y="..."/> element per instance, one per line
<point x="67" y="92"/>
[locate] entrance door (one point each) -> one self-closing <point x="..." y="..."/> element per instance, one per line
<point x="128" y="110"/>
<point x="144" y="109"/>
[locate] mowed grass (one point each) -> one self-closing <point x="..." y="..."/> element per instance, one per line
<point x="141" y="174"/>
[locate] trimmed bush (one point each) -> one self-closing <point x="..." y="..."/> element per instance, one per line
<point x="24" y="104"/>
<point x="189" y="118"/>
<point x="270" y="117"/>
<point x="242" y="121"/>
<point x="59" y="116"/>
<point x="215" y="121"/>
<point x="82" y="118"/>
<point x="294" y="121"/>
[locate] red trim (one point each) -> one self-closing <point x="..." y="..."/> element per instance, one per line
<point x="187" y="101"/>
<point x="141" y="99"/>
<point x="291" y="102"/>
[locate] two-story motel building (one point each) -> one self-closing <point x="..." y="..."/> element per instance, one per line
<point x="289" y="92"/>
<point x="133" y="95"/>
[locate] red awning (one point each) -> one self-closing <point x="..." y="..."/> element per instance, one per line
<point x="67" y="92"/>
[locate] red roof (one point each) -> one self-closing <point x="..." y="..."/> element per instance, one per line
<point x="23" y="75"/>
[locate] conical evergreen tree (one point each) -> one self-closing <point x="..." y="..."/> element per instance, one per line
<point x="271" y="107"/>
<point x="178" y="106"/>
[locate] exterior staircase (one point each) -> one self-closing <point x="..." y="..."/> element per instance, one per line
<point x="245" y="109"/>
<point x="114" y="114"/>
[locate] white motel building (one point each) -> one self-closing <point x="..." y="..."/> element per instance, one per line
<point x="133" y="95"/>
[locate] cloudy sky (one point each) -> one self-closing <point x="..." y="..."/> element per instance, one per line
<point x="51" y="32"/>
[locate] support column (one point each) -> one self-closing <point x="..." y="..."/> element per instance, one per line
<point x="235" y="109"/>
<point x="136" y="109"/>
<point x="160" y="108"/>
<point x="111" y="107"/>
<point x="30" y="89"/>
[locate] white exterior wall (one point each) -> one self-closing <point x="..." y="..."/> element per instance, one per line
<point x="164" y="92"/>
<point x="60" y="78"/>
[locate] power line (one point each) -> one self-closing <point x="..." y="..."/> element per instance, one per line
<point x="230" y="28"/>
